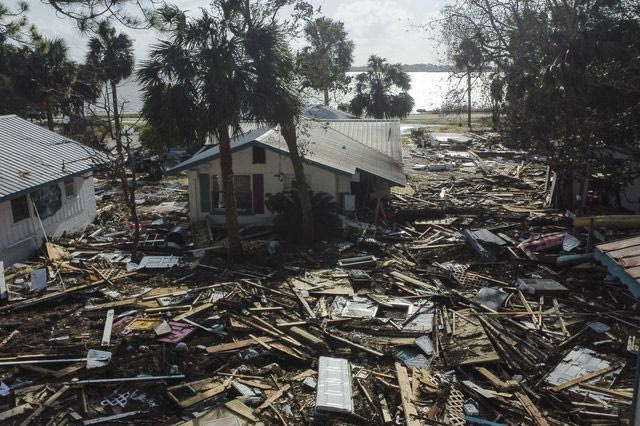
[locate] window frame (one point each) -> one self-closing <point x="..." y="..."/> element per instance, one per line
<point x="26" y="207"/>
<point x="261" y="158"/>
<point x="72" y="182"/>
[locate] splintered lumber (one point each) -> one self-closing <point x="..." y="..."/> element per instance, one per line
<point x="193" y="311"/>
<point x="20" y="409"/>
<point x="305" y="335"/>
<point x="491" y="377"/>
<point x="531" y="409"/>
<point x="384" y="407"/>
<point x="611" y="392"/>
<point x="53" y="398"/>
<point x="53" y="296"/>
<point x="277" y="394"/>
<point x="6" y="340"/>
<point x="186" y="403"/>
<point x="405" y="278"/>
<point x="108" y="324"/>
<point x="225" y="347"/>
<point x="613" y="221"/>
<point x="241" y="409"/>
<point x="584" y="378"/>
<point x="303" y="302"/>
<point x="409" y="409"/>
<point x="356" y="345"/>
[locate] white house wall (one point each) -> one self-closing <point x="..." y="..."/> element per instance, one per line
<point x="321" y="180"/>
<point x="19" y="241"/>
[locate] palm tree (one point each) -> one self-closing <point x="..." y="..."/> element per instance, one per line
<point x="325" y="62"/>
<point x="382" y="91"/>
<point x="46" y="73"/>
<point x="111" y="55"/>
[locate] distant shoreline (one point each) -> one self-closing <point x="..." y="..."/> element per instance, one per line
<point x="415" y="68"/>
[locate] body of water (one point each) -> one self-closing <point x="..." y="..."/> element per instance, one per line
<point x="428" y="89"/>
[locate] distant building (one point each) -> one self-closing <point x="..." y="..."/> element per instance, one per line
<point x="46" y="187"/>
<point x="350" y="159"/>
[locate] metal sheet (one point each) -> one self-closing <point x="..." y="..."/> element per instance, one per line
<point x="334" y="386"/>
<point x="159" y="262"/>
<point x="32" y="156"/>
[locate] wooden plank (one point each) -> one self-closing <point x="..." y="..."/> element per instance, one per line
<point x="20" y="409"/>
<point x="53" y="296"/>
<point x="531" y="409"/>
<point x="53" y="398"/>
<point x="619" y="244"/>
<point x="194" y="311"/>
<point x="356" y="345"/>
<point x="186" y="403"/>
<point x="108" y="324"/>
<point x="491" y="377"/>
<point x="224" y="347"/>
<point x="634" y="272"/>
<point x="612" y="392"/>
<point x="630" y="262"/>
<point x="581" y="379"/>
<point x="384" y="407"/>
<point x="305" y="335"/>
<point x="254" y="384"/>
<point x="406" y="396"/>
<point x="277" y="394"/>
<point x="405" y="278"/>
<point x="625" y="252"/>
<point x="241" y="409"/>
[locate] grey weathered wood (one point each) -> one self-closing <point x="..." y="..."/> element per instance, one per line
<point x="108" y="324"/>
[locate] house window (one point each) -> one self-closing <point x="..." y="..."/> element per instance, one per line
<point x="242" y="189"/>
<point x="205" y="192"/>
<point x="47" y="201"/>
<point x="69" y="188"/>
<point x="259" y="155"/>
<point x="20" y="208"/>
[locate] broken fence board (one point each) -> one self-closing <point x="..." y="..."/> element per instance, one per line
<point x="108" y="324"/>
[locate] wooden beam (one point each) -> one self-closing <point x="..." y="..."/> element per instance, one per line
<point x="584" y="378"/>
<point x="406" y="395"/>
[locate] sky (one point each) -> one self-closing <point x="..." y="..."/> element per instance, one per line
<point x="393" y="29"/>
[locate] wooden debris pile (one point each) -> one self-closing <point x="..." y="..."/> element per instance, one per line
<point x="473" y="304"/>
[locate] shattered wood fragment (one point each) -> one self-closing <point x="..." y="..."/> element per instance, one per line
<point x="410" y="412"/>
<point x="584" y="378"/>
<point x="274" y="397"/>
<point x="356" y="345"/>
<point x="530" y="407"/>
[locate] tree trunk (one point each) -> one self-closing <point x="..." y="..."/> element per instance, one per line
<point x="469" y="98"/>
<point x="49" y="114"/>
<point x="326" y="97"/>
<point x="226" y="167"/>
<point x="288" y="131"/>
<point x="128" y="192"/>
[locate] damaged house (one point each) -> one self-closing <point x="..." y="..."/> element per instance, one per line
<point x="46" y="187"/>
<point x="352" y="160"/>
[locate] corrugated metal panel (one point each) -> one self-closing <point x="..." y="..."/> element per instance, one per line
<point x="324" y="112"/>
<point x="322" y="145"/>
<point x="334" y="385"/>
<point x="32" y="156"/>
<point x="382" y="135"/>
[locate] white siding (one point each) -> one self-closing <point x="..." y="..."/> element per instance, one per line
<point x="18" y="241"/>
<point x="322" y="180"/>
